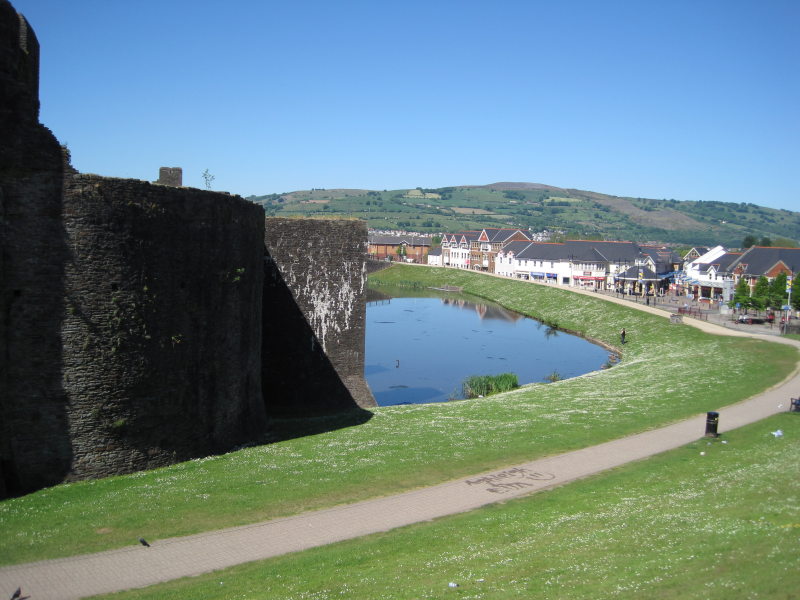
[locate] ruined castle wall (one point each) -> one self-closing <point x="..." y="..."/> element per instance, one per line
<point x="34" y="447"/>
<point x="162" y="322"/>
<point x="132" y="328"/>
<point x="314" y="352"/>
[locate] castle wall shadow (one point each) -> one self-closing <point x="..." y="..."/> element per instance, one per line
<point x="314" y="314"/>
<point x="35" y="449"/>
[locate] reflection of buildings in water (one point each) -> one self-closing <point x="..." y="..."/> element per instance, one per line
<point x="485" y="311"/>
<point x="376" y="298"/>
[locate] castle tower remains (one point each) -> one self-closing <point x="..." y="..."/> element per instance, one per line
<point x="172" y="176"/>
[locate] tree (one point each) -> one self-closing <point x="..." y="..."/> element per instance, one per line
<point x="777" y="292"/>
<point x="760" y="297"/>
<point x="748" y="241"/>
<point x="765" y="241"/>
<point x="209" y="178"/>
<point x="741" y="294"/>
<point x="796" y="292"/>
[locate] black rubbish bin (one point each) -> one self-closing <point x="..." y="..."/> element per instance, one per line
<point x="712" y="420"/>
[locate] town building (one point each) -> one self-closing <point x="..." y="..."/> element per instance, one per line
<point x="435" y="256"/>
<point x="405" y="247"/>
<point x="767" y="261"/>
<point x="489" y="243"/>
<point x="590" y="264"/>
<point x="708" y="277"/>
<point x="456" y="249"/>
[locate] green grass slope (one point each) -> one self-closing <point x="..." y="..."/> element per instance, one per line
<point x="667" y="372"/>
<point x="710" y="521"/>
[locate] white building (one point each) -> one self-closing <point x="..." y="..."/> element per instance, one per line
<point x="456" y="249"/>
<point x="708" y="276"/>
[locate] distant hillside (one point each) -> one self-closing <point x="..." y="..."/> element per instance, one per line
<point x="579" y="213"/>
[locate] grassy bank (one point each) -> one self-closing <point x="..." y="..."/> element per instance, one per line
<point x="713" y="520"/>
<point x="667" y="372"/>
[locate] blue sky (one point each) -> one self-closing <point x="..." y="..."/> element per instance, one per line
<point x="692" y="100"/>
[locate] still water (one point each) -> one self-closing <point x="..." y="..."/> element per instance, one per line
<point x="421" y="349"/>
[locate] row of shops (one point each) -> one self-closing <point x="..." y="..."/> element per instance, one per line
<point x="633" y="281"/>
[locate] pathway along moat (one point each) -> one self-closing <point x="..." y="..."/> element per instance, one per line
<point x="420" y="349"/>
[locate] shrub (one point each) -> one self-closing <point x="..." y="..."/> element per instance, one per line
<point x="553" y="377"/>
<point x="484" y="385"/>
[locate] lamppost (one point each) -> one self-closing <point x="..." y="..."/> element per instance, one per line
<point x="788" y="306"/>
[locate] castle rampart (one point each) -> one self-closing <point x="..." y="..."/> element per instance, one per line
<point x="33" y="252"/>
<point x="318" y="268"/>
<point x="161" y="323"/>
<point x="132" y="315"/>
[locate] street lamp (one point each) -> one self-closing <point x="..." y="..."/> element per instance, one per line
<point x="788" y="306"/>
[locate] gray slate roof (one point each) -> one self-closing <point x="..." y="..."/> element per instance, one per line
<point x="758" y="260"/>
<point x="722" y="264"/>
<point x="516" y="247"/>
<point x="396" y="240"/>
<point x="614" y="252"/>
<point x="632" y="274"/>
<point x="500" y="235"/>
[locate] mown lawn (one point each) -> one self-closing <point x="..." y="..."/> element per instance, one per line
<point x="717" y="519"/>
<point x="667" y="372"/>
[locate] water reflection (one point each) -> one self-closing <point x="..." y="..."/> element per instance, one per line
<point x="420" y="349"/>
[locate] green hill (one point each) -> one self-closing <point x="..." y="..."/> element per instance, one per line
<point x="578" y="213"/>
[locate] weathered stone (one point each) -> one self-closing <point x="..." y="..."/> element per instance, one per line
<point x="313" y="354"/>
<point x="170" y="176"/>
<point x="161" y="329"/>
<point x="131" y="313"/>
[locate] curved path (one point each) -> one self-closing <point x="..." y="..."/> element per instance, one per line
<point x="137" y="566"/>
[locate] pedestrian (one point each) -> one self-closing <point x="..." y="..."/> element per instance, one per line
<point x="622" y="335"/>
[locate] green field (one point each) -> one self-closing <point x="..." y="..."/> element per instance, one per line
<point x="667" y="372"/>
<point x="713" y="520"/>
<point x="578" y="214"/>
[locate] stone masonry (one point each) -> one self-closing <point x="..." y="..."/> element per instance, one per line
<point x="313" y="357"/>
<point x="137" y="327"/>
<point x="170" y="176"/>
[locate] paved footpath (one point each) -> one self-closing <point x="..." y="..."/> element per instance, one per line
<point x="137" y="566"/>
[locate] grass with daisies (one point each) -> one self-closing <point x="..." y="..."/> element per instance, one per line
<point x="667" y="372"/>
<point x="714" y="520"/>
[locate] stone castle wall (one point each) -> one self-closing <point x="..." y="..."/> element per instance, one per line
<point x="161" y="323"/>
<point x="33" y="420"/>
<point x="132" y="314"/>
<point x="313" y="356"/>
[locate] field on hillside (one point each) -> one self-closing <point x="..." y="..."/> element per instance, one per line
<point x="578" y="214"/>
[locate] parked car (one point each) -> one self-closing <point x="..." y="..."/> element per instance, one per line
<point x="750" y="319"/>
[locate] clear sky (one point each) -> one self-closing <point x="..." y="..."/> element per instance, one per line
<point x="685" y="99"/>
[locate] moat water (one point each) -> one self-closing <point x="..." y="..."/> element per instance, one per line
<point x="420" y="349"/>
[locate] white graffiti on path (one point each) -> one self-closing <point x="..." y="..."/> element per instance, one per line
<point x="510" y="480"/>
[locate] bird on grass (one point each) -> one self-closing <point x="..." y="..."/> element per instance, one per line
<point x="143" y="542"/>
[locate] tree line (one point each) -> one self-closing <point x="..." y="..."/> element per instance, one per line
<point x="766" y="294"/>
